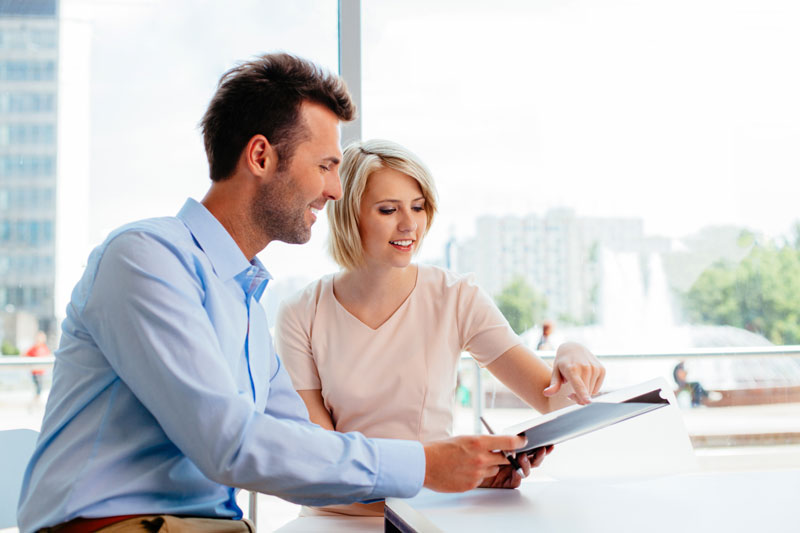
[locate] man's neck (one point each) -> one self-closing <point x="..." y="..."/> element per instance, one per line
<point x="223" y="200"/>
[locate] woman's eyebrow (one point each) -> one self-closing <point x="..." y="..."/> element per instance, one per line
<point x="393" y="200"/>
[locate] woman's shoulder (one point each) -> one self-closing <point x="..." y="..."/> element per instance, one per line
<point x="439" y="278"/>
<point x="306" y="300"/>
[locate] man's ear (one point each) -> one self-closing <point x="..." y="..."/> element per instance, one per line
<point x="259" y="156"/>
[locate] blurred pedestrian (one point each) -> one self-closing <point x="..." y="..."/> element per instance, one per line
<point x="39" y="349"/>
<point x="544" y="341"/>
<point x="692" y="390"/>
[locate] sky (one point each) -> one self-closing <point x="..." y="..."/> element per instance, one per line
<point x="682" y="113"/>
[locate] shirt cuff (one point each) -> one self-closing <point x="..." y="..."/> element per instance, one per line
<point x="401" y="469"/>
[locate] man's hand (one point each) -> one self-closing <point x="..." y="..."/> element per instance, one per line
<point x="462" y="463"/>
<point x="577" y="366"/>
<point x="508" y="478"/>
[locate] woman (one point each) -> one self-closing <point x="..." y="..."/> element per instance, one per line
<point x="375" y="347"/>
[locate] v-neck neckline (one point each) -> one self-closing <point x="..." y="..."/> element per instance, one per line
<point x="388" y="319"/>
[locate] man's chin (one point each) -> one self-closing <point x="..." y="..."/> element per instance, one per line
<point x="299" y="237"/>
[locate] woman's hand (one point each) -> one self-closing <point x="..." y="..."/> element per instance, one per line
<point x="578" y="367"/>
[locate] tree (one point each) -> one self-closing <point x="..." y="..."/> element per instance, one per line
<point x="521" y="304"/>
<point x="761" y="293"/>
<point x="8" y="348"/>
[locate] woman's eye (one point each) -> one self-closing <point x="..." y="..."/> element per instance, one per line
<point x="418" y="208"/>
<point x="387" y="210"/>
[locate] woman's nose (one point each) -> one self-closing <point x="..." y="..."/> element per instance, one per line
<point x="407" y="222"/>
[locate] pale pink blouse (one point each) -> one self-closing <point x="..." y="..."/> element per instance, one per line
<point x="399" y="380"/>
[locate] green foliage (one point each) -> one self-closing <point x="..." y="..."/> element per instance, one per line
<point x="761" y="293"/>
<point x="746" y="238"/>
<point x="796" y="231"/>
<point x="9" y="349"/>
<point x="521" y="304"/>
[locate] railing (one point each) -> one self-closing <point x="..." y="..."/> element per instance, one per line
<point x="689" y="354"/>
<point x="8" y="362"/>
<point x="14" y="361"/>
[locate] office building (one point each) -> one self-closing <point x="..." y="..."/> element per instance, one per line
<point x="558" y="254"/>
<point x="29" y="56"/>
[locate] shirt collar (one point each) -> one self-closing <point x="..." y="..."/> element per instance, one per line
<point x="220" y="248"/>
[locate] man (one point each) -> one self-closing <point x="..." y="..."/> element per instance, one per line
<point x="167" y="392"/>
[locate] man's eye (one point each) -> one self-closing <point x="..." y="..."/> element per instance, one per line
<point x="387" y="210"/>
<point x="326" y="169"/>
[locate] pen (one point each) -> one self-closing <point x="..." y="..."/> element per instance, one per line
<point x="511" y="459"/>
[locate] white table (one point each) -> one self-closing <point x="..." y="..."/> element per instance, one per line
<point x="710" y="502"/>
<point x="333" y="524"/>
<point x="637" y="476"/>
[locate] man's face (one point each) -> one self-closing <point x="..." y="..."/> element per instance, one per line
<point x="285" y="208"/>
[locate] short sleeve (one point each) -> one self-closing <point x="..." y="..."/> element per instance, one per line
<point x="293" y="340"/>
<point x="484" y="331"/>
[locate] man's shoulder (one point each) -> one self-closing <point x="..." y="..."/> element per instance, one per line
<point x="169" y="232"/>
<point x="152" y="237"/>
<point x="160" y="227"/>
<point x="161" y="245"/>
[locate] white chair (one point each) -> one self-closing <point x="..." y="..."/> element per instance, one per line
<point x="16" y="447"/>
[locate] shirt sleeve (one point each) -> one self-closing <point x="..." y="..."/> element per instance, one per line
<point x="485" y="332"/>
<point x="293" y="340"/>
<point x="145" y="312"/>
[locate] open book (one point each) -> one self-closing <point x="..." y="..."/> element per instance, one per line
<point x="575" y="420"/>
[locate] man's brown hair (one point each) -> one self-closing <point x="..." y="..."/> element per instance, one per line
<point x="263" y="96"/>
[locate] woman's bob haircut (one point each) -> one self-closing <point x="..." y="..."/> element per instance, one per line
<point x="359" y="161"/>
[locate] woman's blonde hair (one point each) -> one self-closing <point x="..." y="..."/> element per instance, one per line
<point x="359" y="161"/>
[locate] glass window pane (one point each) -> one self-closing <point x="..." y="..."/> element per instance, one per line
<point x="633" y="163"/>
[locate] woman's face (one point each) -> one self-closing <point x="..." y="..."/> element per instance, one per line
<point x="392" y="218"/>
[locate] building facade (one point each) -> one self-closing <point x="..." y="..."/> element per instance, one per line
<point x="558" y="254"/>
<point x="29" y="56"/>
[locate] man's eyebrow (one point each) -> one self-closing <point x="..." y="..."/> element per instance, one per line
<point x="332" y="159"/>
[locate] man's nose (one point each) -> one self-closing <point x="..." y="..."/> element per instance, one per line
<point x="333" y="186"/>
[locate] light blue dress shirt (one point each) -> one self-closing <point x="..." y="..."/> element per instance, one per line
<point x="167" y="392"/>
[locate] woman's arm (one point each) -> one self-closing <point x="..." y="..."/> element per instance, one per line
<point x="484" y="330"/>
<point x="575" y="376"/>
<point x="316" y="408"/>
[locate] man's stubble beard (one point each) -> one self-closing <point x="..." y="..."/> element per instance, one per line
<point x="279" y="212"/>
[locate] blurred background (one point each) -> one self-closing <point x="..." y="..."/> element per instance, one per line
<point x="620" y="173"/>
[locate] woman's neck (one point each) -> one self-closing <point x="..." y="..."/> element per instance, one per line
<point x="374" y="294"/>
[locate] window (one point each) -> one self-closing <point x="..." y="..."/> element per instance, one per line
<point x="20" y="70"/>
<point x="26" y="165"/>
<point x="27" y="102"/>
<point x="30" y="134"/>
<point x="26" y="38"/>
<point x="47" y="231"/>
<point x="668" y="130"/>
